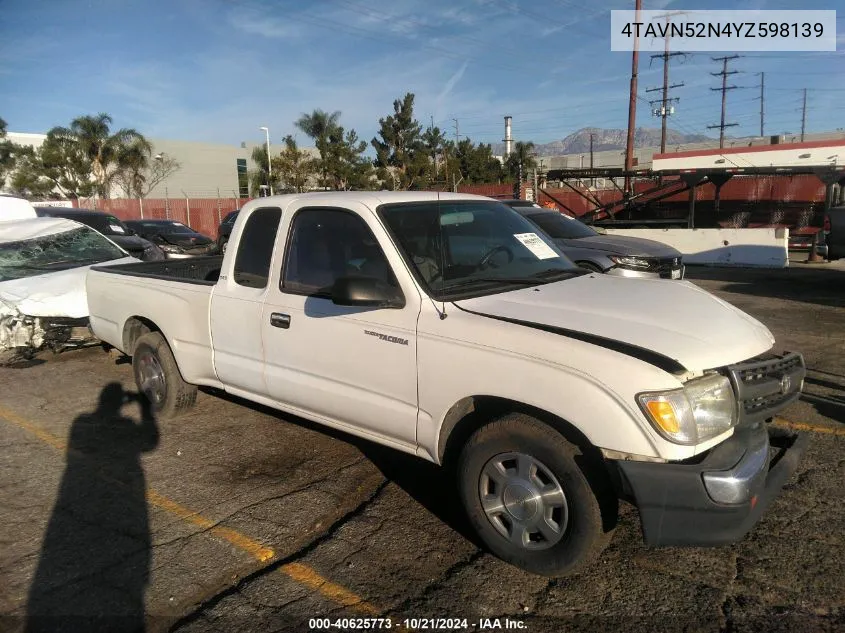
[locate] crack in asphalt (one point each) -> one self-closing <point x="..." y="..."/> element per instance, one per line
<point x="449" y="573"/>
<point x="211" y="601"/>
<point x="726" y="625"/>
<point x="302" y="488"/>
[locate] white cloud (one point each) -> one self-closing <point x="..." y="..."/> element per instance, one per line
<point x="451" y="83"/>
<point x="254" y="23"/>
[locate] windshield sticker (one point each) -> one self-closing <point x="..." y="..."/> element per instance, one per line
<point x="116" y="228"/>
<point x="538" y="247"/>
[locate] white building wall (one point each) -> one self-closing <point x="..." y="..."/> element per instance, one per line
<point x="205" y="167"/>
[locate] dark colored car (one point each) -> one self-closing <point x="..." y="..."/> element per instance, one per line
<point x="611" y="254"/>
<point x="177" y="240"/>
<point x="225" y="229"/>
<point x="110" y="226"/>
<point x="834" y="231"/>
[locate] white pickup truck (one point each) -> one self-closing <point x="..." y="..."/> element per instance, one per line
<point x="443" y="325"/>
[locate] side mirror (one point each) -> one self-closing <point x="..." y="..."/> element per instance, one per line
<point x="366" y="292"/>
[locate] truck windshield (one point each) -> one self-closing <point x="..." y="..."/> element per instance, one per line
<point x="473" y="248"/>
<point x="51" y="253"/>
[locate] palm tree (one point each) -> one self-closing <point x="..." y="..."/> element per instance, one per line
<point x="258" y="177"/>
<point x="522" y="154"/>
<point x="320" y="126"/>
<point x="108" y="153"/>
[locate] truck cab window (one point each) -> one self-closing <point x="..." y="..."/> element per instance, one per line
<point x="255" y="249"/>
<point x="326" y="244"/>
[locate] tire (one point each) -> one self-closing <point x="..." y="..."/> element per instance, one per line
<point x="158" y="377"/>
<point x="505" y="446"/>
<point x="590" y="266"/>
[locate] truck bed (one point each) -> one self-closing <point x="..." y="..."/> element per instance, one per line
<point x="197" y="270"/>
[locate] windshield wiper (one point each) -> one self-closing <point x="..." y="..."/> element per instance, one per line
<point x="539" y="278"/>
<point x="520" y="281"/>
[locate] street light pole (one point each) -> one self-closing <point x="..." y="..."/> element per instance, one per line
<point x="269" y="164"/>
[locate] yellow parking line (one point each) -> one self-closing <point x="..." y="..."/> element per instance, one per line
<point x="244" y="543"/>
<point x="304" y="575"/>
<point x="299" y="572"/>
<point x="26" y="425"/>
<point x="804" y="426"/>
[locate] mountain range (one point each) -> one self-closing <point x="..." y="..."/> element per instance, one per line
<point x="608" y="139"/>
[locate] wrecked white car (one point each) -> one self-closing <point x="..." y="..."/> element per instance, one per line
<point x="43" y="264"/>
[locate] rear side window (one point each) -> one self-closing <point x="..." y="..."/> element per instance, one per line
<point x="255" y="249"/>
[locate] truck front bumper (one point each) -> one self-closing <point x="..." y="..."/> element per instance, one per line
<point x="719" y="499"/>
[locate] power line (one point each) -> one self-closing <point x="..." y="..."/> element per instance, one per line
<point x="804" y="115"/>
<point x="724" y="74"/>
<point x="665" y="109"/>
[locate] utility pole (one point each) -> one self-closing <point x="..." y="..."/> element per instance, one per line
<point x="592" y="180"/>
<point x="725" y="87"/>
<point x="804" y="115"/>
<point x="632" y="102"/>
<point x="665" y="109"/>
<point x="762" y="97"/>
<point x="457" y="134"/>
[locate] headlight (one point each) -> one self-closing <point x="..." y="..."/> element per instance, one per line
<point x="170" y="248"/>
<point x="631" y="262"/>
<point x="702" y="409"/>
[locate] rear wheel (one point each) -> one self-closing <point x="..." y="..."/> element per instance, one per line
<point x="527" y="493"/>
<point x="158" y="378"/>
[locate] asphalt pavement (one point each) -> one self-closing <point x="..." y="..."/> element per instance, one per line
<point x="237" y="517"/>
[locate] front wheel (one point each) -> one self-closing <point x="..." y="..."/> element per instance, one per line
<point x="158" y="377"/>
<point x="526" y="492"/>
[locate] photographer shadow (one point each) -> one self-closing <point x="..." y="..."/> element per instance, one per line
<point x="95" y="558"/>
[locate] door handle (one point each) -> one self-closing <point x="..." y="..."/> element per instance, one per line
<point x="277" y="319"/>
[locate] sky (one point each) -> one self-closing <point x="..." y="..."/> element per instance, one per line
<point x="215" y="70"/>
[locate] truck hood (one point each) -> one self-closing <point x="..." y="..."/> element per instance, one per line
<point x="670" y="319"/>
<point x="623" y="245"/>
<point x="58" y="294"/>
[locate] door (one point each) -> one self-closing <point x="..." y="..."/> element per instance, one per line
<point x="237" y="304"/>
<point x="351" y="365"/>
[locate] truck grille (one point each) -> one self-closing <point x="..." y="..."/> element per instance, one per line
<point x="765" y="385"/>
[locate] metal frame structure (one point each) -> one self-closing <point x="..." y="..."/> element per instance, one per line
<point x="670" y="182"/>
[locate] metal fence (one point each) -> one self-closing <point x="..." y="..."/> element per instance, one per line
<point x="201" y="214"/>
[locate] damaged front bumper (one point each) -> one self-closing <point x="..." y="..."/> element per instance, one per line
<point x="22" y="335"/>
<point x="718" y="500"/>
